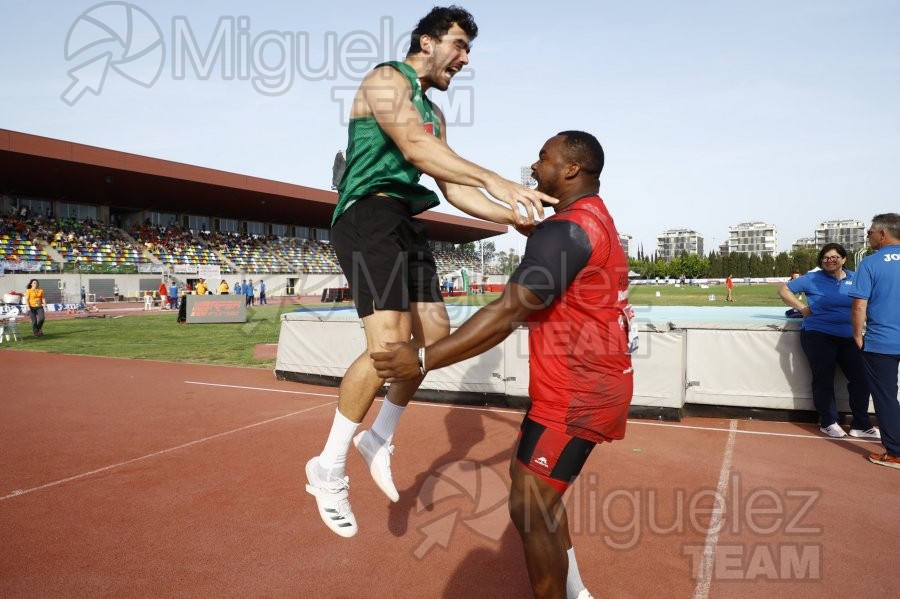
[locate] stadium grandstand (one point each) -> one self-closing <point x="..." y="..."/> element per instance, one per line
<point x="74" y="215"/>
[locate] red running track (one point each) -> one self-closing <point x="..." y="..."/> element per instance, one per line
<point x="123" y="478"/>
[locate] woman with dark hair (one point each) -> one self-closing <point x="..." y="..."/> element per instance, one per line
<point x="826" y="335"/>
<point x="34" y="298"/>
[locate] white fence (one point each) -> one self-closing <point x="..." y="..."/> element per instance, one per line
<point x="752" y="365"/>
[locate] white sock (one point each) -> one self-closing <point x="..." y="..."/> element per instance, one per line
<point x="387" y="420"/>
<point x="334" y="454"/>
<point x="574" y="585"/>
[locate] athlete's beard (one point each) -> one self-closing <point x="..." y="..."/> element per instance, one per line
<point x="436" y="79"/>
<point x="437" y="75"/>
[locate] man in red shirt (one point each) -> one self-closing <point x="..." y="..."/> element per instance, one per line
<point x="571" y="288"/>
<point x="163" y="295"/>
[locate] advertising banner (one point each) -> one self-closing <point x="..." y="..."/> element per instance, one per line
<point x="209" y="271"/>
<point x="216" y="308"/>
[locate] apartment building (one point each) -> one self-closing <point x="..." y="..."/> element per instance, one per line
<point x="753" y="238"/>
<point x="625" y="240"/>
<point x="805" y="243"/>
<point x="675" y="242"/>
<point x="849" y="233"/>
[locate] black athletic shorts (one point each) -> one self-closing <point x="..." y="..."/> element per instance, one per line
<point x="384" y="254"/>
<point x="554" y="456"/>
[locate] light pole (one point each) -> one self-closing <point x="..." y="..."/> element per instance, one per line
<point x="481" y="247"/>
<point x="860" y="254"/>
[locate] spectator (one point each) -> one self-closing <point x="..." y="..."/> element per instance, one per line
<point x="248" y="291"/>
<point x="826" y="337"/>
<point x="173" y="295"/>
<point x="876" y="296"/>
<point x="34" y="299"/>
<point x="163" y="295"/>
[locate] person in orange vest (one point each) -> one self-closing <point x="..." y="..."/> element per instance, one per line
<point x="34" y="298"/>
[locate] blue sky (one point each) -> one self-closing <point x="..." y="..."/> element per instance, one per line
<point x="711" y="113"/>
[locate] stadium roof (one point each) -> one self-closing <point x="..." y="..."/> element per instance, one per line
<point x="45" y="168"/>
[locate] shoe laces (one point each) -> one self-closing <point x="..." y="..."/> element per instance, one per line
<point x="337" y="483"/>
<point x="343" y="506"/>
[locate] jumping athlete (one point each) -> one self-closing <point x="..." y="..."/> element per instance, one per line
<point x="395" y="135"/>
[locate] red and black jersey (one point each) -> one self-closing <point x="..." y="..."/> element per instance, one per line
<point x="581" y="376"/>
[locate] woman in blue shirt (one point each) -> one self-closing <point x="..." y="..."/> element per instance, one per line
<point x="826" y="336"/>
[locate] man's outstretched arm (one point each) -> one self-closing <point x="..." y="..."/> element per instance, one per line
<point x="485" y="329"/>
<point x="385" y="95"/>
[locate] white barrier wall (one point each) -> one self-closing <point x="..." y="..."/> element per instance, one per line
<point x="759" y="366"/>
<point x="754" y="368"/>
<point x="659" y="369"/>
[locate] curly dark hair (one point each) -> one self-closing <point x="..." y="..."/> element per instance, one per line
<point x="438" y="22"/>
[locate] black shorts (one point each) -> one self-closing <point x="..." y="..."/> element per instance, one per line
<point x="555" y="457"/>
<point x="384" y="254"/>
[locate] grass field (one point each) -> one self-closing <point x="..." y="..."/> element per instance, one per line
<point x="746" y="295"/>
<point x="158" y="336"/>
<point x="669" y="295"/>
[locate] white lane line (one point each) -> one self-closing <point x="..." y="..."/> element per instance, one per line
<point x="428" y="404"/>
<point x="704" y="576"/>
<point x="20" y="492"/>
<point x="267" y="389"/>
<point x="522" y="411"/>
<point x="425" y="404"/>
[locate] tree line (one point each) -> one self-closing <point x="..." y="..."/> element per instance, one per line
<point x="712" y="266"/>
<point x="717" y="266"/>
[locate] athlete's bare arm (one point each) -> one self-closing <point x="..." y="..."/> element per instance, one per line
<point x="384" y="94"/>
<point x="485" y="329"/>
<point x="472" y="201"/>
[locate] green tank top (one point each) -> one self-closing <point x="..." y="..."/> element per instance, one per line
<point x="375" y="163"/>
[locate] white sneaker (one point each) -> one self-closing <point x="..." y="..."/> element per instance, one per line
<point x="585" y="594"/>
<point x="872" y="433"/>
<point x="378" y="457"/>
<point x="834" y="430"/>
<point x="332" y="495"/>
